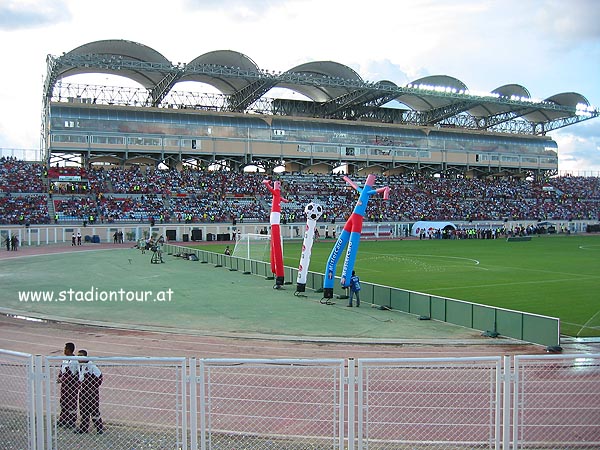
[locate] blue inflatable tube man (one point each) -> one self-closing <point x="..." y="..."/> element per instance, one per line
<point x="350" y="236"/>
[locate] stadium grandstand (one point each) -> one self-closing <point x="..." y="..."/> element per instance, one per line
<point x="120" y="154"/>
<point x="434" y="125"/>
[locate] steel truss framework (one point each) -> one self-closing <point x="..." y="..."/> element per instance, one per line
<point x="357" y="100"/>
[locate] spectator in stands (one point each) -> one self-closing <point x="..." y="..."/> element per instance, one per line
<point x="192" y="195"/>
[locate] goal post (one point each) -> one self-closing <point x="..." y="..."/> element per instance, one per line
<point x="253" y="246"/>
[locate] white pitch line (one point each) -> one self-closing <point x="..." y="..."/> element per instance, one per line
<point x="505" y="284"/>
<point x="588" y="247"/>
<point x="586" y="324"/>
<point x="422" y="255"/>
<point x="554" y="272"/>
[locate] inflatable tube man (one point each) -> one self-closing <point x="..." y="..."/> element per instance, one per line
<point x="350" y="236"/>
<point x="275" y="220"/>
<point x="313" y="212"/>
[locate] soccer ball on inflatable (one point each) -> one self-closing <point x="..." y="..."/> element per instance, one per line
<point x="313" y="211"/>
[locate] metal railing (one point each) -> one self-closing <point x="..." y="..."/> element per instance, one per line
<point x="525" y="402"/>
<point x="442" y="402"/>
<point x="265" y="404"/>
<point x="17" y="408"/>
<point x="556" y="402"/>
<point x="141" y="401"/>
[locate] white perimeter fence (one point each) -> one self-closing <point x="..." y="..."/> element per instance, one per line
<point x="525" y="402"/>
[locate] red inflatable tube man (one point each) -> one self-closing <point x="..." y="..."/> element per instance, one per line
<point x="275" y="220"/>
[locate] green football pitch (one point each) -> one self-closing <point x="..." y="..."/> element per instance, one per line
<point x="557" y="276"/>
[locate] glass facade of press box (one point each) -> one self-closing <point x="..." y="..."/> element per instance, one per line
<point x="173" y="129"/>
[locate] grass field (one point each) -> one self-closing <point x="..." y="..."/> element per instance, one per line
<point x="558" y="276"/>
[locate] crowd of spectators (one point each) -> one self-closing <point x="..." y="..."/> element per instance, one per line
<point x="24" y="209"/>
<point x="21" y="176"/>
<point x="188" y="195"/>
<point x="116" y="208"/>
<point x="23" y="198"/>
<point x="74" y="208"/>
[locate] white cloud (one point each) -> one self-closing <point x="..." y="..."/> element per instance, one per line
<point x="570" y="22"/>
<point x="29" y="14"/>
<point x="579" y="148"/>
<point x="548" y="46"/>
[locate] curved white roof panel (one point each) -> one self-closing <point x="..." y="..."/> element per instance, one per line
<point x="120" y="49"/>
<point x="336" y="85"/>
<point x="224" y="58"/>
<point x="571" y="99"/>
<point x="322" y="68"/>
<point x="424" y="102"/>
<point x="510" y="91"/>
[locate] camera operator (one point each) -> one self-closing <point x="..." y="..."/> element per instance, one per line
<point x="156" y="248"/>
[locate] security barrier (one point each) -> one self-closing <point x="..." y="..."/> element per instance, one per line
<point x="133" y="230"/>
<point x="142" y="401"/>
<point x="566" y="388"/>
<point x="266" y="404"/>
<point x="525" y="402"/>
<point x="438" y="402"/>
<point x="17" y="408"/>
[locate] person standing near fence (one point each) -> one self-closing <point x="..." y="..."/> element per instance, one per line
<point x="68" y="379"/>
<point x="90" y="379"/>
<point x="354" y="289"/>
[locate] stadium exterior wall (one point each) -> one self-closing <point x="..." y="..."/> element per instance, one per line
<point x="61" y="233"/>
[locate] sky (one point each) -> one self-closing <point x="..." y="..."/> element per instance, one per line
<point x="547" y="46"/>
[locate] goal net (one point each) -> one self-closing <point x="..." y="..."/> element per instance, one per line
<point x="252" y="246"/>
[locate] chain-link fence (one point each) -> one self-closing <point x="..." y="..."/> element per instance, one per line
<point x="271" y="404"/>
<point x="17" y="421"/>
<point x="557" y="402"/>
<point x="436" y="403"/>
<point x="542" y="402"/>
<point x="127" y="403"/>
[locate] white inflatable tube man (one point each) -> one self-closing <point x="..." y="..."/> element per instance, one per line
<point x="313" y="212"/>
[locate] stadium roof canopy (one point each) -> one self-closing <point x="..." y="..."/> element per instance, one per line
<point x="335" y="90"/>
